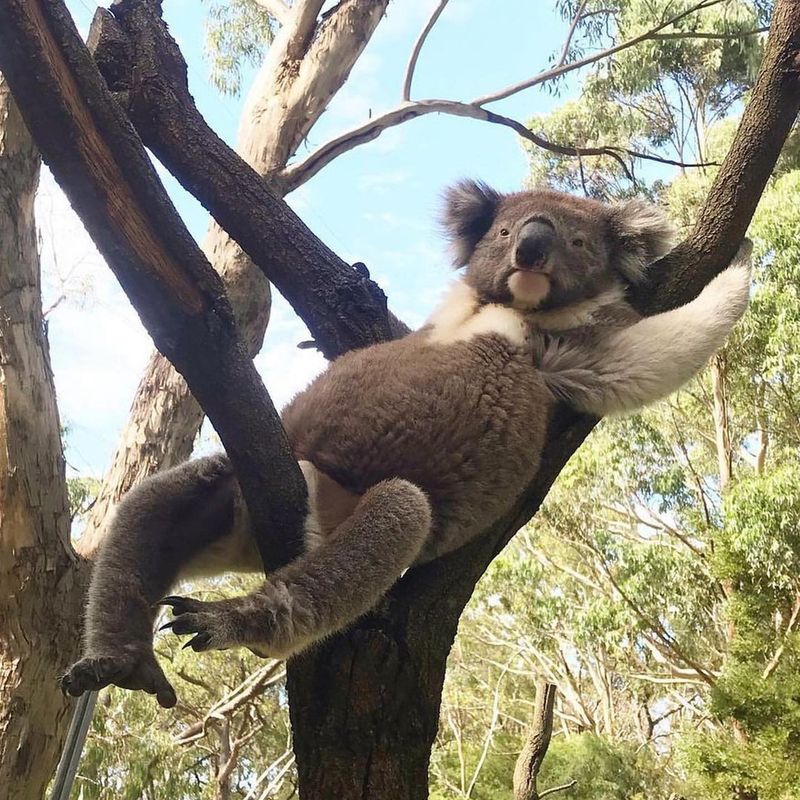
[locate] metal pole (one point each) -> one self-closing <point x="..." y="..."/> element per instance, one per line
<point x="73" y="747"/>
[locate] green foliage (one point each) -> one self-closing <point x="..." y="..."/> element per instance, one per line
<point x="238" y="33"/>
<point x="658" y="97"/>
<point x="81" y="492"/>
<point x="604" y="769"/>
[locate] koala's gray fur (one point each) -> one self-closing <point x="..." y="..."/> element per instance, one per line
<point x="413" y="447"/>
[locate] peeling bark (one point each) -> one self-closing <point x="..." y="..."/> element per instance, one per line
<point x="41" y="585"/>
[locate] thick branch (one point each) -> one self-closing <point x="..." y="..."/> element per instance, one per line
<point x="342" y="308"/>
<point x="100" y="163"/>
<point x="300" y="26"/>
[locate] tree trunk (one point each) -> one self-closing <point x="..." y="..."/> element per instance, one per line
<point x="307" y="64"/>
<point x="40" y="583"/>
<point x="365" y="705"/>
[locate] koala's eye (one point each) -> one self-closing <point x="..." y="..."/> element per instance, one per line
<point x="578" y="242"/>
<point x="504" y="231"/>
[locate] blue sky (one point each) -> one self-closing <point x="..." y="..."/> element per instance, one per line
<point x="376" y="204"/>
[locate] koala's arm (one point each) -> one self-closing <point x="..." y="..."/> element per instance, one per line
<point x="627" y="368"/>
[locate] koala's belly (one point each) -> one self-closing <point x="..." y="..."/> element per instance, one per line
<point x="464" y="421"/>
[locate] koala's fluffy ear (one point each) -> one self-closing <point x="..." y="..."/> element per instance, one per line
<point x="643" y="233"/>
<point x="469" y="208"/>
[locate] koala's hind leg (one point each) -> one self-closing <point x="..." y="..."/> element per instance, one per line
<point x="158" y="528"/>
<point x="323" y="590"/>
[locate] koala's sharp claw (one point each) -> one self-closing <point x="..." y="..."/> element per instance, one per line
<point x="170" y="600"/>
<point x="199" y="642"/>
<point x="166" y="626"/>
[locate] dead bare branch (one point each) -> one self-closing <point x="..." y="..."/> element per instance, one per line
<point x="526" y="771"/>
<point x="301" y="25"/>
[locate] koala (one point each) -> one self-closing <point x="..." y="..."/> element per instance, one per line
<point x="411" y="448"/>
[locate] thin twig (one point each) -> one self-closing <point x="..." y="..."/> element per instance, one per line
<point x="299" y="173"/>
<point x="710" y="34"/>
<point x="557" y="72"/>
<point x="571" y="33"/>
<point x="412" y="61"/>
<point x="563" y="787"/>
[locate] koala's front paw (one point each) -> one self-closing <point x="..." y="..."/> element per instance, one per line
<point x="133" y="666"/>
<point x="216" y="625"/>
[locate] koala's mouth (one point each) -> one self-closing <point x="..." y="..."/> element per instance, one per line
<point x="529" y="286"/>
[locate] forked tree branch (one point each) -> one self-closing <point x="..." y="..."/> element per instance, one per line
<point x="135" y="52"/>
<point x="105" y="172"/>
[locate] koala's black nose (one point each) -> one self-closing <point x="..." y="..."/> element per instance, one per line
<point x="534" y="242"/>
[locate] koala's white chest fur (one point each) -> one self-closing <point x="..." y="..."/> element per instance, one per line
<point x="459" y="319"/>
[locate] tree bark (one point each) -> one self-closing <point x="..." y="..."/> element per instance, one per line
<point x="41" y="585"/>
<point x="307" y="64"/>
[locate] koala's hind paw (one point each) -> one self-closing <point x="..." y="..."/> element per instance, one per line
<point x="135" y="669"/>
<point x="215" y="625"/>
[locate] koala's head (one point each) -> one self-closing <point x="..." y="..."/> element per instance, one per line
<point x="545" y="249"/>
